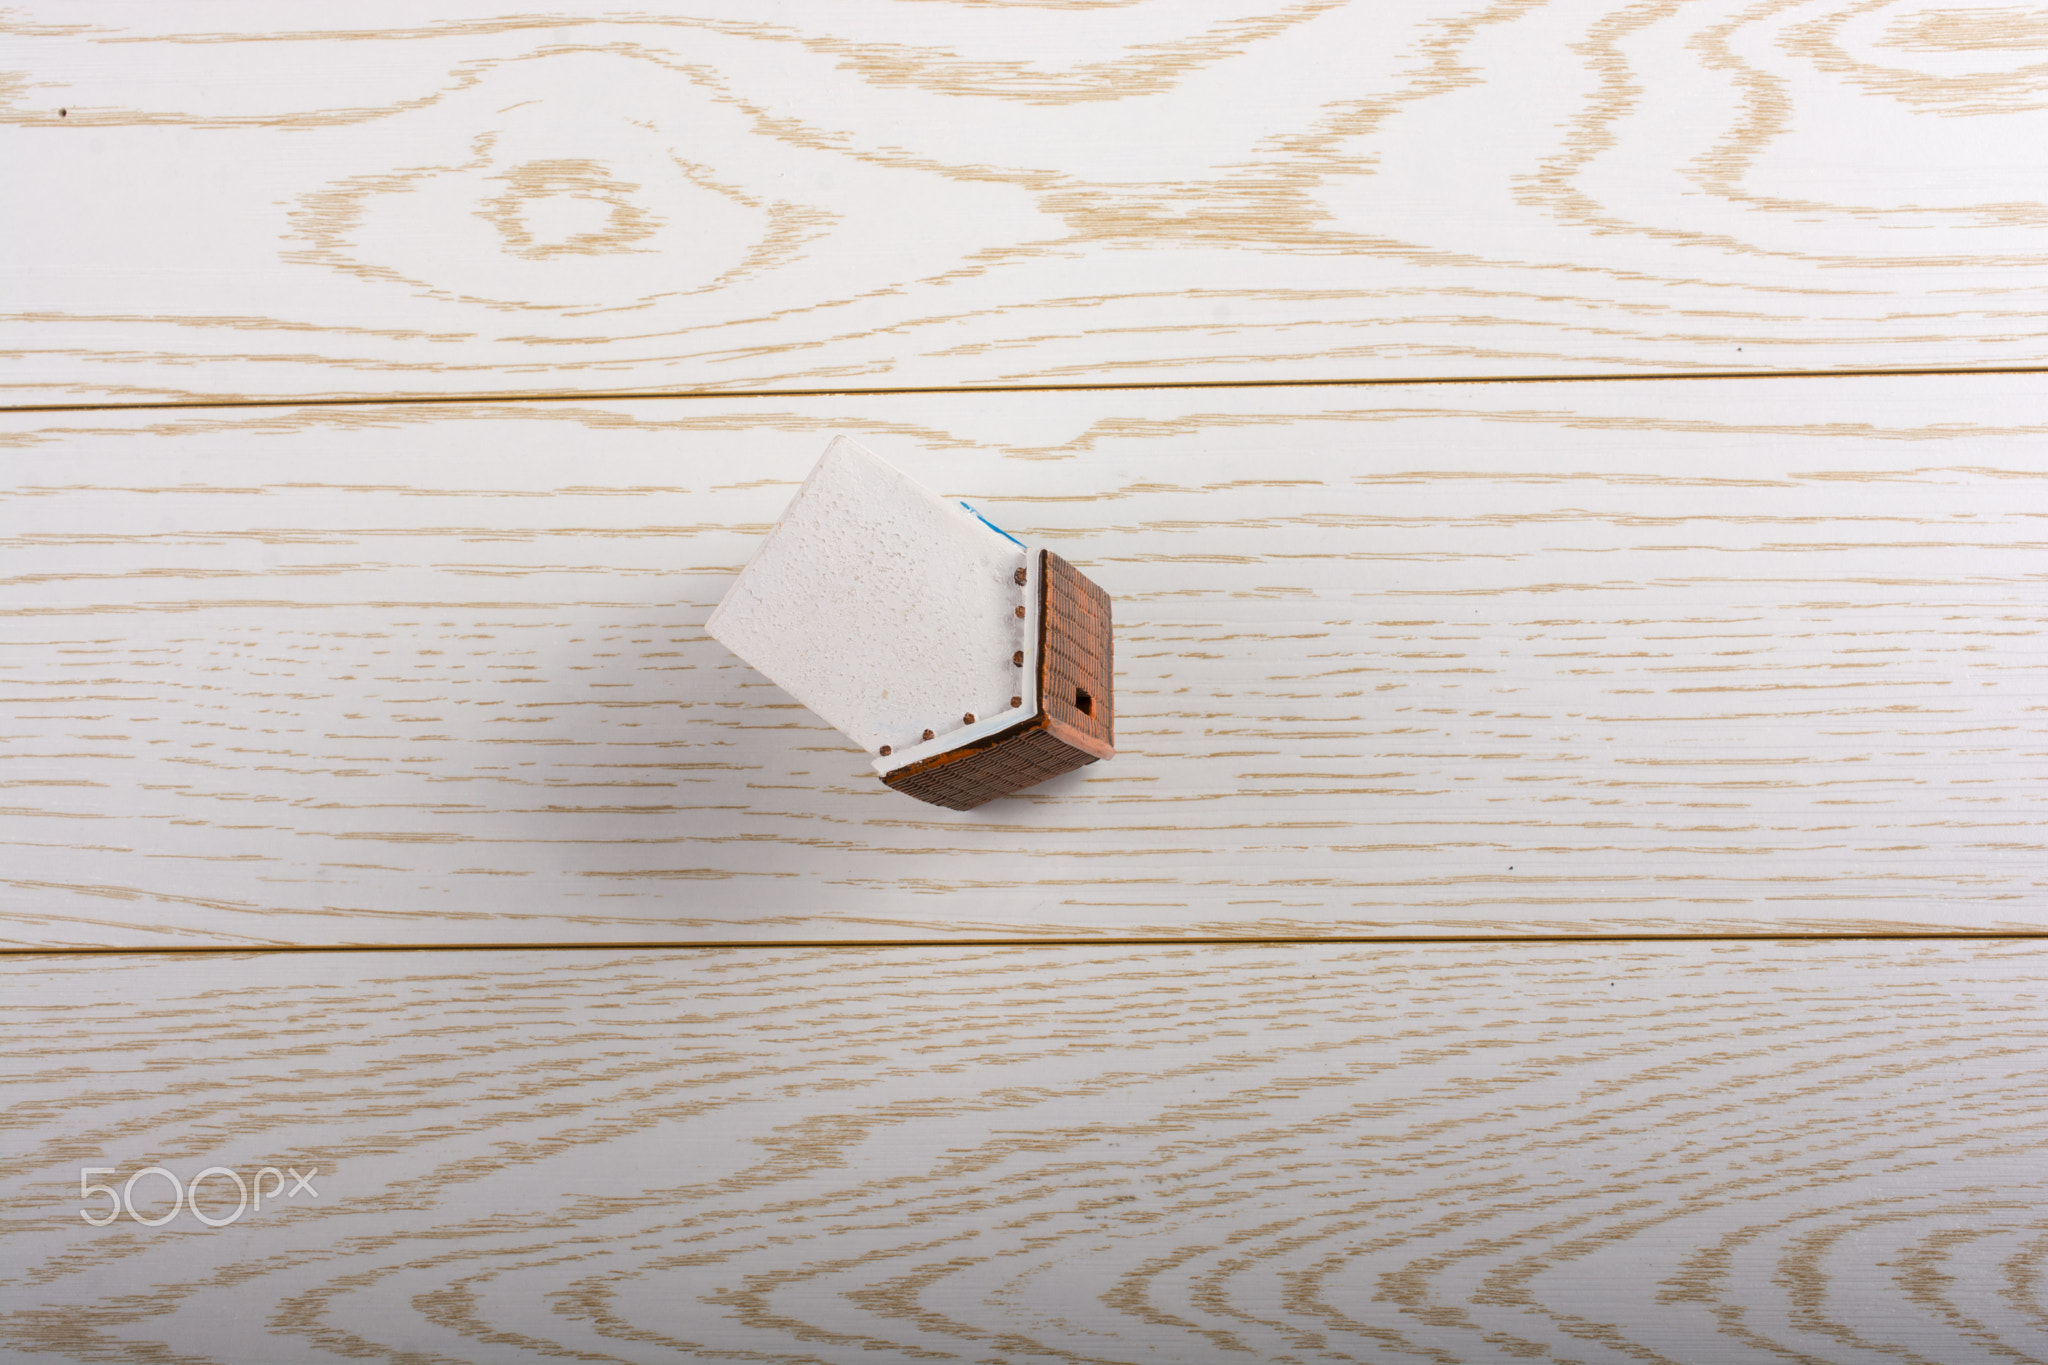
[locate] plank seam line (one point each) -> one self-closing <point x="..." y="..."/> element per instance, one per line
<point x="1248" y="941"/>
<point x="644" y="395"/>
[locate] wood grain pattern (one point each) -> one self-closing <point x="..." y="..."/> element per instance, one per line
<point x="1709" y="1154"/>
<point x="239" y="200"/>
<point x="1597" y="658"/>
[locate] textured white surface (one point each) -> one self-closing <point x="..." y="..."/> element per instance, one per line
<point x="1472" y="659"/>
<point x="1461" y="1154"/>
<point x="884" y="608"/>
<point x="1663" y="657"/>
<point x="384" y="198"/>
<point x="1023" y="685"/>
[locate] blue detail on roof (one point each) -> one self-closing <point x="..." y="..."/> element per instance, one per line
<point x="997" y="529"/>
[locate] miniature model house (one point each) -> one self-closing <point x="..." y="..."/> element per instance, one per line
<point x="968" y="664"/>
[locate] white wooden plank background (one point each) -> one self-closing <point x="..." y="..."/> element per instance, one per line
<point x="233" y="199"/>
<point x="1651" y="657"/>
<point x="1828" y="1152"/>
<point x="1654" y="658"/>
